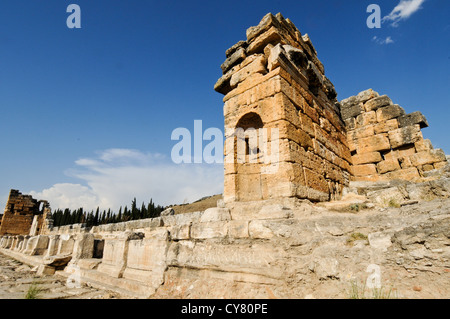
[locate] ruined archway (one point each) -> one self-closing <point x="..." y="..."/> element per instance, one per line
<point x="248" y="157"/>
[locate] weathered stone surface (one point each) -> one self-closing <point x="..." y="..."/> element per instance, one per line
<point x="209" y="230"/>
<point x="389" y="112"/>
<point x="430" y="157"/>
<point x="351" y="110"/>
<point x="388" y="166"/>
<point x="373" y="144"/>
<point x="57" y="261"/>
<point x="380" y="240"/>
<point x="377" y="102"/>
<point x="237" y="57"/>
<point x="383" y="127"/>
<point x="215" y="214"/>
<point x="168" y="212"/>
<point x="364" y="170"/>
<point x="412" y="119"/>
<point x="366" y="158"/>
<point x="258" y="230"/>
<point x="366" y="95"/>
<point x="240" y="44"/>
<point x="405" y="135"/>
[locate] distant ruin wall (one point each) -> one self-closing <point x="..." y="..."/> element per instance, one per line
<point x="274" y="80"/>
<point x="385" y="142"/>
<point x="20" y="212"/>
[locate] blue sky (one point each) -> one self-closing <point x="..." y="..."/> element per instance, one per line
<point x="87" y="114"/>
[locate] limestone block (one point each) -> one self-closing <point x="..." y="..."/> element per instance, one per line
<point x="377" y="102"/>
<point x="257" y="66"/>
<point x="52" y="245"/>
<point x="258" y="230"/>
<point x="37" y="245"/>
<point x="258" y="44"/>
<point x="234" y="48"/>
<point x="83" y="246"/>
<point x="366" y="158"/>
<point x="114" y="257"/>
<point x="180" y="232"/>
<point x="238" y="229"/>
<point x="423" y="145"/>
<point x="315" y="181"/>
<point x="428" y="157"/>
<point x="405" y="135"/>
<point x="389" y="112"/>
<point x="215" y="214"/>
<point x="351" y="111"/>
<point x="209" y="230"/>
<point x="44" y="270"/>
<point x="146" y="259"/>
<point x="350" y="123"/>
<point x="388" y="166"/>
<point x="366" y="118"/>
<point x="366" y="95"/>
<point x="362" y="132"/>
<point x="56" y="261"/>
<point x="65" y="244"/>
<point x="385" y="127"/>
<point x="406" y="174"/>
<point x="374" y="143"/>
<point x="266" y="22"/>
<point x="275" y="211"/>
<point x="238" y="56"/>
<point x="364" y="170"/>
<point x="412" y="119"/>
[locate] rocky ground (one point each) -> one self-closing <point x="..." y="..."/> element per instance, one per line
<point x="17" y="280"/>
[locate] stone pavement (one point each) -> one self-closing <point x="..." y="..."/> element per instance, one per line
<point x="16" y="279"/>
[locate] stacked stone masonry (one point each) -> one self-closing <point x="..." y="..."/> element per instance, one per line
<point x="23" y="215"/>
<point x="385" y="142"/>
<point x="274" y="80"/>
<point x="259" y="240"/>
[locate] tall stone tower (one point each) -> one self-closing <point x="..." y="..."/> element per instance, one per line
<point x="284" y="136"/>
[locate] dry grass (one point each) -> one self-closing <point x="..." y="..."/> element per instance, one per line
<point x="197" y="206"/>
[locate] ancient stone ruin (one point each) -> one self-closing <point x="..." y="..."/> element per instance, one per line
<point x="386" y="143"/>
<point x="274" y="79"/>
<point x="279" y="231"/>
<point x="23" y="215"/>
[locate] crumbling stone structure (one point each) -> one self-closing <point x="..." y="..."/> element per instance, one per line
<point x="274" y="80"/>
<point x="23" y="215"/>
<point x="386" y="143"/>
<point x="264" y="248"/>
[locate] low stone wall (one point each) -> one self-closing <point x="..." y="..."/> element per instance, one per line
<point x="260" y="249"/>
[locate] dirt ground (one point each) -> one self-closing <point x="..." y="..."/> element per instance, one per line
<point x="17" y="279"/>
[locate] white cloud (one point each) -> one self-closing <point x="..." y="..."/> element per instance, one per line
<point x="388" y="40"/>
<point x="403" y="11"/>
<point x="115" y="176"/>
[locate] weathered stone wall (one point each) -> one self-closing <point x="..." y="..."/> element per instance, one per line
<point x="274" y="80"/>
<point x="20" y="211"/>
<point x="386" y="143"/>
<point x="266" y="250"/>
